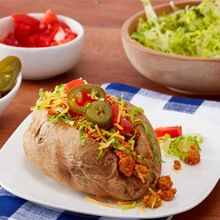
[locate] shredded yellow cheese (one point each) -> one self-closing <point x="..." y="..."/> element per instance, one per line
<point x="97" y="202"/>
<point x="111" y="135"/>
<point x="118" y="126"/>
<point x="152" y="191"/>
<point x="51" y="96"/>
<point x="141" y="209"/>
<point x="123" y="202"/>
<point x="65" y="110"/>
<point x="54" y="104"/>
<point x="116" y="134"/>
<point x="141" y="177"/>
<point x="106" y="132"/>
<point x="100" y="134"/>
<point x="133" y="204"/>
<point x="119" y="116"/>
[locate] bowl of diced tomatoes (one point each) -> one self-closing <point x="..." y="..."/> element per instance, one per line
<point x="47" y="44"/>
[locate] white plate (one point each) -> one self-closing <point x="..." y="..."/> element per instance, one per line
<point x="193" y="183"/>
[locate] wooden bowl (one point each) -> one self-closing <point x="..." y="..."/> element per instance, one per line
<point x="191" y="75"/>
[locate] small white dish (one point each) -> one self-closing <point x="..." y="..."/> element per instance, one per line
<point x="44" y="62"/>
<point x="6" y="100"/>
<point x="193" y="183"/>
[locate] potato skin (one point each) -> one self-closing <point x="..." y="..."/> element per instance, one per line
<point x="55" y="150"/>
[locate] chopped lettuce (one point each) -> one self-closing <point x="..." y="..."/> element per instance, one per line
<point x="100" y="155"/>
<point x="42" y="94"/>
<point x="151" y="138"/>
<point x="103" y="145"/>
<point x="82" y="136"/>
<point x="132" y="143"/>
<point x="112" y="142"/>
<point x="118" y="146"/>
<point x="193" y="31"/>
<point x="152" y="16"/>
<point x="134" y="112"/>
<point x="130" y="205"/>
<point x="59" y="89"/>
<point x="179" y="146"/>
<point x="66" y="118"/>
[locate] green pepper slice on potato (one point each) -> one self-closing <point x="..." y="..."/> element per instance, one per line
<point x="76" y="95"/>
<point x="100" y="113"/>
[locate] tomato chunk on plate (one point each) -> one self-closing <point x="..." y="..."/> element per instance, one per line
<point x="173" y="131"/>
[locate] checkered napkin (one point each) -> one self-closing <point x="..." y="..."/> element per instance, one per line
<point x="14" y="208"/>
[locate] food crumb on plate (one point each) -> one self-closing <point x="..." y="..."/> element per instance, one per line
<point x="176" y="165"/>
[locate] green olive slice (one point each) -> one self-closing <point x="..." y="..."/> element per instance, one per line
<point x="100" y="113"/>
<point x="10" y="67"/>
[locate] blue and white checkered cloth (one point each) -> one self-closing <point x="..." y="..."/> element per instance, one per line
<point x="14" y="208"/>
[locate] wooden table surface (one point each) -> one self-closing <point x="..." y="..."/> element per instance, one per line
<point x="103" y="60"/>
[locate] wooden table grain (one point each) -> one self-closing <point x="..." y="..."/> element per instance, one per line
<point x="103" y="60"/>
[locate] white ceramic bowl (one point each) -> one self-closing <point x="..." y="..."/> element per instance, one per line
<point x="44" y="62"/>
<point x="6" y="100"/>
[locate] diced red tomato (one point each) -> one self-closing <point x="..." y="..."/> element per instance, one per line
<point x="76" y="82"/>
<point x="10" y="40"/>
<point x="85" y="99"/>
<point x="115" y="110"/>
<point x="54" y="43"/>
<point x="72" y="113"/>
<point x="33" y="39"/>
<point x="31" y="32"/>
<point x="42" y="27"/>
<point x="173" y="131"/>
<point x="127" y="125"/>
<point x="22" y="30"/>
<point x="70" y="36"/>
<point x="65" y="27"/>
<point x="45" y="39"/>
<point x="50" y="18"/>
<point x="60" y="35"/>
<point x="25" y="19"/>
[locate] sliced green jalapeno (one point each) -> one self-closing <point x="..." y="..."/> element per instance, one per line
<point x="10" y="67"/>
<point x="76" y="96"/>
<point x="100" y="113"/>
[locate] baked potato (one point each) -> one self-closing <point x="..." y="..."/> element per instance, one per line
<point x="104" y="159"/>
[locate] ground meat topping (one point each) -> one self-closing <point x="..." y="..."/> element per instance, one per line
<point x="167" y="195"/>
<point x="126" y="165"/>
<point x="164" y="183"/>
<point x="193" y="156"/>
<point x="176" y="165"/>
<point x="163" y="191"/>
<point x="152" y="201"/>
<point x="140" y="172"/>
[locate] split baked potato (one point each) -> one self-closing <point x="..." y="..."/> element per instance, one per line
<point x="107" y="149"/>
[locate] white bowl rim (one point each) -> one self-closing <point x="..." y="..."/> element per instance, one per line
<point x="14" y="89"/>
<point x="74" y="41"/>
<point x="124" y="30"/>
